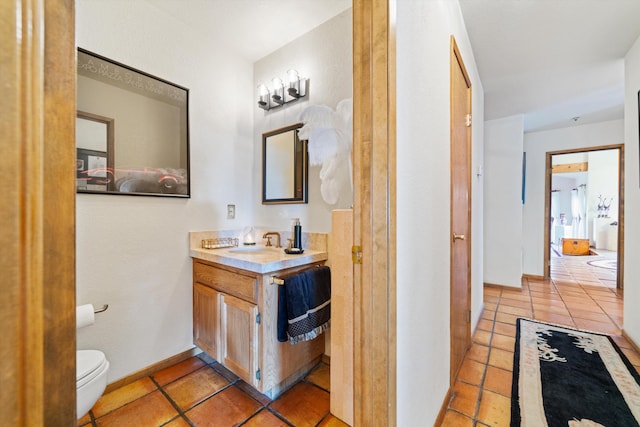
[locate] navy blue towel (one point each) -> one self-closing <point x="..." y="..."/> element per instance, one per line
<point x="304" y="305"/>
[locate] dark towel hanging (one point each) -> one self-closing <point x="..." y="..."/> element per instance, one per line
<point x="304" y="305"/>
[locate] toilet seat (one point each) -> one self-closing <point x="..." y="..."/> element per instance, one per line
<point x="89" y="364"/>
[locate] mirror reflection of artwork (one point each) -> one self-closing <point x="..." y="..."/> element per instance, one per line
<point x="138" y="126"/>
<point x="284" y="166"/>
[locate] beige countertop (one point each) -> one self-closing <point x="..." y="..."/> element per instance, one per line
<point x="258" y="259"/>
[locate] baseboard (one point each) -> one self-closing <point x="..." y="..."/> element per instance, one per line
<point x="635" y="346"/>
<point x="532" y="277"/>
<point x="495" y="285"/>
<point x="326" y="359"/>
<point x="443" y="408"/>
<point x="150" y="370"/>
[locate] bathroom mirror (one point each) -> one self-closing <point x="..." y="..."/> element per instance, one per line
<point x="132" y="131"/>
<point x="284" y="166"/>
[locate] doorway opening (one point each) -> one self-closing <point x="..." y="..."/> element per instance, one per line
<point x="584" y="215"/>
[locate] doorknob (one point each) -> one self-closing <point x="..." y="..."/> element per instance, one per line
<point x="457" y="237"/>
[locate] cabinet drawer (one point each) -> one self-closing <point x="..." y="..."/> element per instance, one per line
<point x="239" y="285"/>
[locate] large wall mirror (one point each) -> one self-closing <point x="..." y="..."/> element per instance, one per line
<point x="132" y="131"/>
<point x="284" y="166"/>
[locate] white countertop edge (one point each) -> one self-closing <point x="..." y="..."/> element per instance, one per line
<point x="275" y="262"/>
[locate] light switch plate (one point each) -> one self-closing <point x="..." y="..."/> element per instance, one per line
<point x="231" y="211"/>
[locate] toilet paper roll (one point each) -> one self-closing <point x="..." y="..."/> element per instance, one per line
<point x="84" y="315"/>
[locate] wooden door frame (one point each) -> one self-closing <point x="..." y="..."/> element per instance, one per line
<point x="547" y="206"/>
<point x="456" y="58"/>
<point x="374" y="222"/>
<point x="38" y="209"/>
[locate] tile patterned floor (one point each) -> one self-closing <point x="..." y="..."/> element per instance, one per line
<point x="577" y="295"/>
<point x="201" y="392"/>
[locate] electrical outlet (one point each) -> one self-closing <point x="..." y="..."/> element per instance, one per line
<point x="231" y="211"/>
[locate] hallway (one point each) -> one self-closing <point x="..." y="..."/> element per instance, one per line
<point x="483" y="387"/>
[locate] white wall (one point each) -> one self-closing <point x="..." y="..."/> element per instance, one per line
<point x="325" y="56"/>
<point x="423" y="202"/>
<point x="132" y="252"/>
<point x="503" y="146"/>
<point x="632" y="195"/>
<point x="537" y="144"/>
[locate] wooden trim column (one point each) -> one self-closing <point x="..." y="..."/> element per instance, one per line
<point x="374" y="158"/>
<point x="37" y="205"/>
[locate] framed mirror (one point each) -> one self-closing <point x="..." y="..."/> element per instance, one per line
<point x="132" y="131"/>
<point x="284" y="166"/>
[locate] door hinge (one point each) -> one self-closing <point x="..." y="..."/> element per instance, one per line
<point x="467" y="120"/>
<point x="258" y="318"/>
<point x="258" y="375"/>
<point x="356" y="254"/>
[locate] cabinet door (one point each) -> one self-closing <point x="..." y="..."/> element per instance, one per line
<point x="206" y="319"/>
<point x="239" y="337"/>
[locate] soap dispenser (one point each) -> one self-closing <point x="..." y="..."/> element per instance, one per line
<point x="297" y="234"/>
<point x="296" y="238"/>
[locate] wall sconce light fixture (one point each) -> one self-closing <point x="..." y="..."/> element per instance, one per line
<point x="278" y="96"/>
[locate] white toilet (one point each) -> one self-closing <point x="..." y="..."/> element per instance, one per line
<point x="91" y="366"/>
<point x="91" y="379"/>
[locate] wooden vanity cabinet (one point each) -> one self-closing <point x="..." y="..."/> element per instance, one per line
<point x="235" y="322"/>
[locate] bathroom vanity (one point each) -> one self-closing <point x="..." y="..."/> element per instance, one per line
<point x="235" y="309"/>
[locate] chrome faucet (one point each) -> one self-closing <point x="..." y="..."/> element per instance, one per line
<point x="272" y="233"/>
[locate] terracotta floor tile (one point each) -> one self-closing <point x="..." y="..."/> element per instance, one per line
<point x="621" y="341"/>
<point x="481" y="337"/>
<point x="491" y="306"/>
<point x="471" y="372"/>
<point x="602" y="327"/>
<point x="84" y="420"/>
<point x="516" y="302"/>
<point x="320" y="376"/>
<point x="264" y="418"/>
<point x="517" y="311"/>
<point x="465" y="398"/>
<point x="224" y="372"/>
<point x="195" y="387"/>
<point x="228" y="408"/>
<point x="491" y="290"/>
<point x="302" y="405"/>
<point x="502" y="342"/>
<point x="554" y="318"/>
<point x="501" y="359"/>
<point x="495" y="409"/>
<point x="487" y="314"/>
<point x="122" y="396"/>
<point x="485" y="325"/>
<point x="507" y="318"/>
<point x="151" y="410"/>
<point x="178" y="370"/>
<point x="498" y="380"/>
<point x="504" y="329"/>
<point x="590" y="315"/>
<point x="478" y="352"/>
<point x="252" y="393"/>
<point x="178" y="422"/>
<point x="632" y="355"/>
<point x="491" y="298"/>
<point x="555" y="309"/>
<point x="455" y="419"/>
<point x="332" y="421"/>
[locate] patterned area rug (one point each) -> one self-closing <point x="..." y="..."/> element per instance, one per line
<point x="611" y="264"/>
<point x="565" y="377"/>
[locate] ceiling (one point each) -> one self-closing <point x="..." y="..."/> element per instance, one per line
<point x="552" y="60"/>
<point x="549" y="60"/>
<point x="252" y="28"/>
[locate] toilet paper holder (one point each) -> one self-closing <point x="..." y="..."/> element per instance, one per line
<point x="101" y="309"/>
